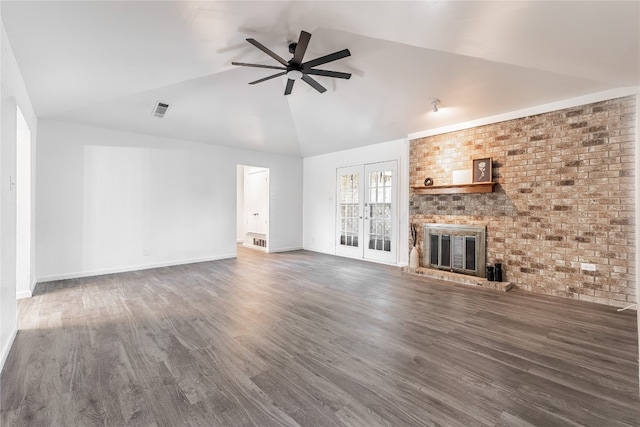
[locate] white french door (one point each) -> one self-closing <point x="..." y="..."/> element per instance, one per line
<point x="367" y="220"/>
<point x="349" y="224"/>
<point x="380" y="218"/>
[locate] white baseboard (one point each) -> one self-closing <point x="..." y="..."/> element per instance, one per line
<point x="79" y="274"/>
<point x="393" y="264"/>
<point x="319" y="250"/>
<point x="27" y="294"/>
<point x="292" y="248"/>
<point x="24" y="294"/>
<point x="255" y="248"/>
<point x="7" y="347"/>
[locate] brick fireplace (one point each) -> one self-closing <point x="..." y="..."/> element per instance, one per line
<point x="564" y="197"/>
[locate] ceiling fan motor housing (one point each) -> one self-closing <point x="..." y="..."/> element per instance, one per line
<point x="294" y="68"/>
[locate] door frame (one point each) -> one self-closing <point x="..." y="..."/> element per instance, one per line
<point x="359" y="252"/>
<point x="241" y="207"/>
<point x="341" y="250"/>
<point x="376" y="255"/>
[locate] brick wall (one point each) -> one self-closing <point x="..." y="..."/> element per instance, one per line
<point x="565" y="196"/>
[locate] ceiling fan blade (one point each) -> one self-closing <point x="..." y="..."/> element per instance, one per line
<point x="267" y="51"/>
<point x="301" y="47"/>
<point x="324" y="59"/>
<point x="268" y="78"/>
<point x="326" y="73"/>
<point x="289" y="88"/>
<point x="271" y="67"/>
<point x="314" y="84"/>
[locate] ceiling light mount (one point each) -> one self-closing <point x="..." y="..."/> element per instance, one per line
<point x="435" y="103"/>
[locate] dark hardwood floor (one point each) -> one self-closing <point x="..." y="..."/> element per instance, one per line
<point x="308" y="339"/>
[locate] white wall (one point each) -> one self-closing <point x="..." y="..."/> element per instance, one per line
<point x="113" y="201"/>
<point x="319" y="209"/>
<point x="12" y="92"/>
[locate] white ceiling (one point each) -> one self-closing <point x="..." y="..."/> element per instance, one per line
<point x="108" y="63"/>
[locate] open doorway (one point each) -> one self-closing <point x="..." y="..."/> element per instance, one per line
<point x="253" y="207"/>
<point x="23" y="207"/>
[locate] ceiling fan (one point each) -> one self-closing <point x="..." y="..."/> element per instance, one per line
<point x="295" y="69"/>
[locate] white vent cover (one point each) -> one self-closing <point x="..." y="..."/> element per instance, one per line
<point x="160" y="110"/>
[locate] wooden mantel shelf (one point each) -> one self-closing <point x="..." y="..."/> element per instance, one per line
<point x="477" y="187"/>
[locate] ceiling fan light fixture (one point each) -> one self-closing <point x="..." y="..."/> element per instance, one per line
<point x="294" y="74"/>
<point x="295" y="68"/>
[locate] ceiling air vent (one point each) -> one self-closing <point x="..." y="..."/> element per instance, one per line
<point x="160" y="110"/>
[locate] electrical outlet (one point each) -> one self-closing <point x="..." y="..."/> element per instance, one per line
<point x="145" y="252"/>
<point x="587" y="266"/>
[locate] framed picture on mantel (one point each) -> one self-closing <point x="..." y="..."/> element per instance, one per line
<point x="482" y="170"/>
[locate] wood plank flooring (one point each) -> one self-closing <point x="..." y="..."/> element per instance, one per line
<point x="307" y="339"/>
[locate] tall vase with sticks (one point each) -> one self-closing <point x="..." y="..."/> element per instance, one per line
<point x="414" y="257"/>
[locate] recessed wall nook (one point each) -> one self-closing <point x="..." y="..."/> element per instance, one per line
<point x="561" y="198"/>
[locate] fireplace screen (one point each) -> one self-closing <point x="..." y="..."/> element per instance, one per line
<point x="459" y="248"/>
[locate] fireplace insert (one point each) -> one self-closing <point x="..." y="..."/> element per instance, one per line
<point x="456" y="248"/>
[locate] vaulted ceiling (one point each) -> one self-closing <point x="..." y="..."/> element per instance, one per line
<point x="107" y="63"/>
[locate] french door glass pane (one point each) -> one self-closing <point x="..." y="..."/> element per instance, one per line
<point x="349" y="208"/>
<point x="380" y="210"/>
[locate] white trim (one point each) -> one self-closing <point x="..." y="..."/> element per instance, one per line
<point x="319" y="250"/>
<point x="255" y="248"/>
<point x="355" y="258"/>
<point x="348" y="250"/>
<point x="289" y="249"/>
<point x="7" y="348"/>
<point x="24" y="294"/>
<point x="531" y="111"/>
<point x="132" y="268"/>
<point x="389" y="258"/>
<point x="24" y="208"/>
